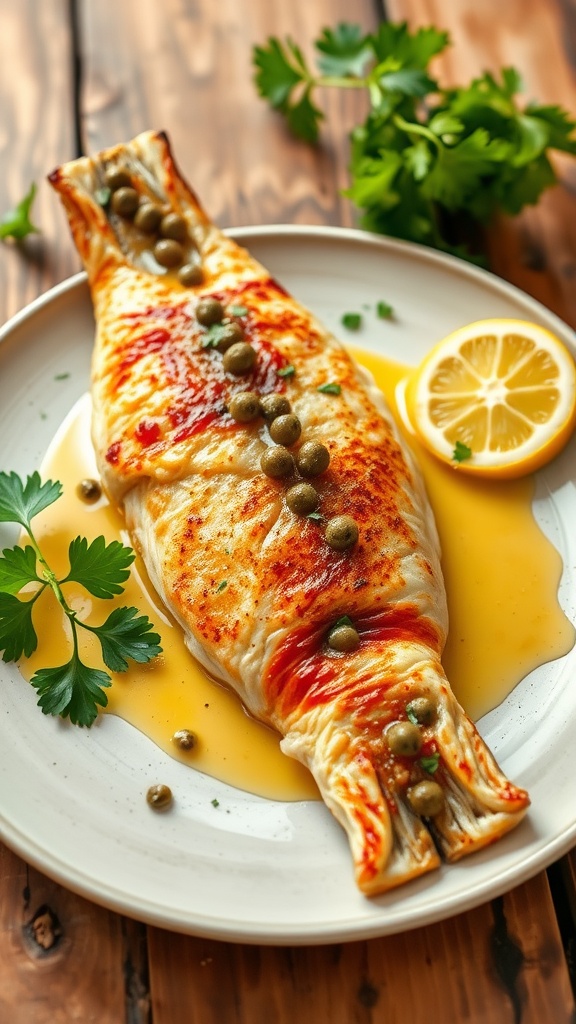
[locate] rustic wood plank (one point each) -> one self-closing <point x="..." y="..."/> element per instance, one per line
<point x="237" y="153"/>
<point x="497" y="963"/>
<point x="537" y="250"/>
<point x="62" y="958"/>
<point x="36" y="133"/>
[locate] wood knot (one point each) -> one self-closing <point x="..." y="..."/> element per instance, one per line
<point x="44" y="930"/>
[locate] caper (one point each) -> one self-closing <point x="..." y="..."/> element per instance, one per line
<point x="125" y="201"/>
<point x="423" y="709"/>
<point x="89" y="491"/>
<point x="344" y="639"/>
<point x="277" y="462"/>
<point x="239" y="358"/>
<point x="173" y="226"/>
<point x="302" y="499"/>
<point x="209" y="311"/>
<point x="341" y="533"/>
<point x="274" y="405"/>
<point x="168" y="253"/>
<point x="184" y="739"/>
<point x="244" y="406"/>
<point x="285" y="429"/>
<point x="159" y="796"/>
<point x="117" y="177"/>
<point x="426" y="798"/>
<point x="148" y="217"/>
<point x="229" y="335"/>
<point x="313" y="458"/>
<point x="191" y="273"/>
<point x="404" y="739"/>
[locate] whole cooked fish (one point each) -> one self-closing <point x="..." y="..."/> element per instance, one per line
<point x="280" y="516"/>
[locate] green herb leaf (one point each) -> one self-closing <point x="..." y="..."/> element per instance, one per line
<point x="17" y="634"/>
<point x="126" y="635"/>
<point x="344" y="620"/>
<point x="17" y="568"/>
<point x="221" y="586"/>
<point x="19" y="502"/>
<point x="287" y="371"/>
<point x="215" y="802"/>
<point x="410" y="715"/>
<point x="213" y="335"/>
<point x="384" y="311"/>
<point x="343" y="51"/>
<point x="238" y="310"/>
<point x="103" y="196"/>
<point x="99" y="567"/>
<point x="16" y="223"/>
<point x="72" y="691"/>
<point x="461" y="452"/>
<point x="330" y="389"/>
<point x="430" y="763"/>
<point x="317" y="517"/>
<point x="352" y="321"/>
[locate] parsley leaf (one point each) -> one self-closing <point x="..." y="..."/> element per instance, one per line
<point x="461" y="452"/>
<point x="384" y="311"/>
<point x="424" y="156"/>
<point x="73" y="690"/>
<point x="16" y="223"/>
<point x="352" y="321"/>
<point x="330" y="389"/>
<point x="287" y="371"/>
<point x="430" y="762"/>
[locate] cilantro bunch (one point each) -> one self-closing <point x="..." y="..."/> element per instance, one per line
<point x="73" y="690"/>
<point x="424" y="155"/>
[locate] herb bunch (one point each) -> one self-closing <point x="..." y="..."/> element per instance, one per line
<point x="424" y="154"/>
<point x="73" y="690"/>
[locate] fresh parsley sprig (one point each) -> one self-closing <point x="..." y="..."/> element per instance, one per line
<point x="73" y="690"/>
<point x="16" y="223"/>
<point x="423" y="154"/>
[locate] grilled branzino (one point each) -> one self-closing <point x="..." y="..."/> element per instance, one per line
<point x="313" y="589"/>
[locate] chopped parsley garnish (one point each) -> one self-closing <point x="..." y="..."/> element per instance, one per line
<point x="16" y="223"/>
<point x="213" y="335"/>
<point x="287" y="371"/>
<point x="430" y="762"/>
<point x="221" y="586"/>
<point x="215" y="802"/>
<point x="317" y="517"/>
<point x="330" y="389"/>
<point x="383" y="310"/>
<point x="237" y="310"/>
<point x="344" y="620"/>
<point x="424" y="153"/>
<point x="352" y="321"/>
<point x="62" y="376"/>
<point x="461" y="452"/>
<point x="73" y="690"/>
<point x="103" y="196"/>
<point x="410" y="715"/>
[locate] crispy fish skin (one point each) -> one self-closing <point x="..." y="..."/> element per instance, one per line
<point x="255" y="587"/>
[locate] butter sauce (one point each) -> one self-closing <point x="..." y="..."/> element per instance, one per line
<point x="504" y="614"/>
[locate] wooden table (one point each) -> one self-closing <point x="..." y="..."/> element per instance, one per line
<point x="75" y="77"/>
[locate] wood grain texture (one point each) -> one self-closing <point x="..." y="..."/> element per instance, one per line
<point x="497" y="964"/>
<point x="36" y="133"/>
<point x="237" y="154"/>
<point x="536" y="250"/>
<point x="62" y="959"/>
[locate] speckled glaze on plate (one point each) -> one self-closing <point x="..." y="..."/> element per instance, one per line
<point x="254" y="870"/>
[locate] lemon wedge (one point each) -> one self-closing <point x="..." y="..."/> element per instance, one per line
<point x="496" y="398"/>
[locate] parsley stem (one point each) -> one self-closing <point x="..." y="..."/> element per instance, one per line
<point x="413" y="128"/>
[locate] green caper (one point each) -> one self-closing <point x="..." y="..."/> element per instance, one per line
<point x="173" y="226"/>
<point x="184" y="739"/>
<point x="168" y="253"/>
<point x="274" y="405"/>
<point x="423" y="709"/>
<point x="89" y="491"/>
<point x="404" y="739"/>
<point x="125" y="201"/>
<point x="344" y="639"/>
<point x="302" y="499"/>
<point x="191" y="273"/>
<point x="148" y="217"/>
<point x="159" y="797"/>
<point x="313" y="458"/>
<point x="244" y="406"/>
<point x="426" y="798"/>
<point x="117" y="177"/>
<point x="285" y="429"/>
<point x="209" y="311"/>
<point x="239" y="358"/>
<point x="277" y="462"/>
<point x="230" y="334"/>
<point x="341" y="533"/>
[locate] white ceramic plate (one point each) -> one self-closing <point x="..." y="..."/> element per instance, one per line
<point x="255" y="870"/>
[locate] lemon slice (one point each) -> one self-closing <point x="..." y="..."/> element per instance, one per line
<point x="496" y="398"/>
